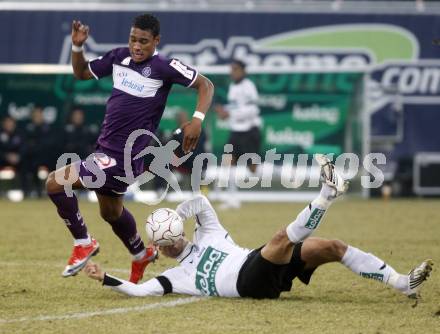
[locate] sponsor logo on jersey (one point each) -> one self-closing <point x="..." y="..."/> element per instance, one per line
<point x="134" y="83"/>
<point x="207" y="269"/>
<point x="182" y="69"/>
<point x="314" y="219"/>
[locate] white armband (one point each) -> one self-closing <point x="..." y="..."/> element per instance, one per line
<point x="199" y="115"/>
<point x="76" y="48"/>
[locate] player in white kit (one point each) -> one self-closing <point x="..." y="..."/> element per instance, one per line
<point x="213" y="265"/>
<point x="244" y="121"/>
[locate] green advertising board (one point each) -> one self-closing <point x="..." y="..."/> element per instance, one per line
<point x="301" y="112"/>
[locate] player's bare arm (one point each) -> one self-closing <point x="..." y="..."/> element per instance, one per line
<point x="191" y="131"/>
<point x="80" y="33"/>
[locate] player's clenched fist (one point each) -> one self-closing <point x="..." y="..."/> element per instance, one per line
<point x="94" y="271"/>
<point x="80" y="32"/>
<point x="191" y="134"/>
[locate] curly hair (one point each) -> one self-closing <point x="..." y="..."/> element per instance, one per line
<point x="147" y="22"/>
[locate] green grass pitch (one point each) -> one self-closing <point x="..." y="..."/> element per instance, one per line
<point x="34" y="298"/>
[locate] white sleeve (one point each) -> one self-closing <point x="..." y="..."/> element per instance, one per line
<point x="205" y="215"/>
<point x="151" y="287"/>
<point x="251" y="93"/>
<point x="181" y="281"/>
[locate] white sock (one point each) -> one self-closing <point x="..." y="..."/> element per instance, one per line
<point x="369" y="266"/>
<point x="82" y="242"/>
<point x="140" y="255"/>
<point x="308" y="219"/>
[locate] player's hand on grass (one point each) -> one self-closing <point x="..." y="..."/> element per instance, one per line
<point x="80" y="33"/>
<point x="191" y="134"/>
<point x="93" y="270"/>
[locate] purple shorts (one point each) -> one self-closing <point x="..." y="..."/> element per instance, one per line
<point x="109" y="163"/>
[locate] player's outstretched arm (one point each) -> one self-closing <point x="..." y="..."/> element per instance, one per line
<point x="191" y="131"/>
<point x="151" y="287"/>
<point x="206" y="216"/>
<point x="80" y="33"/>
<point x="194" y="206"/>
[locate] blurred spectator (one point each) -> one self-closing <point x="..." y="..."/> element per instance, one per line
<point x="79" y="138"/>
<point x="39" y="152"/>
<point x="10" y="144"/>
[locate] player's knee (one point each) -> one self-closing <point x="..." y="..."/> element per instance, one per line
<point x="280" y="237"/>
<point x="336" y="249"/>
<point x="51" y="184"/>
<point x="110" y="215"/>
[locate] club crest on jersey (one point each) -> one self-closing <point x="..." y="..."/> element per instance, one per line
<point x="146" y="71"/>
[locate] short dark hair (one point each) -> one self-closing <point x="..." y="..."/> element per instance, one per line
<point x="239" y="63"/>
<point x="147" y="22"/>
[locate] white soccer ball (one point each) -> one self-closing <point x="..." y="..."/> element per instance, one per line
<point x="164" y="227"/>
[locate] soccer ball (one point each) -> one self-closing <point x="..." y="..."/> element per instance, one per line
<point x="164" y="227"/>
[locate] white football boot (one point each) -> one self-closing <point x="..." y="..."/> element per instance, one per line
<point x="416" y="277"/>
<point x="330" y="176"/>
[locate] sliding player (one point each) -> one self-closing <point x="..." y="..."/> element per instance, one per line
<point x="212" y="264"/>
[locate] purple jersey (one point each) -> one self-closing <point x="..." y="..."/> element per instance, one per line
<point x="139" y="94"/>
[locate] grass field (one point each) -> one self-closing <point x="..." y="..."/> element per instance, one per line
<point x="34" y="298"/>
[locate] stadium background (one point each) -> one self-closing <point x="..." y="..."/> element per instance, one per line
<point x="358" y="79"/>
<point x="356" y="76"/>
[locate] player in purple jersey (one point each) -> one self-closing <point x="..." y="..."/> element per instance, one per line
<point x="142" y="80"/>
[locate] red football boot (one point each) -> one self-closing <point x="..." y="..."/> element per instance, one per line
<point x="80" y="255"/>
<point x="138" y="267"/>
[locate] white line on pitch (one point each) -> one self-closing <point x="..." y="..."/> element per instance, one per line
<point x="82" y="315"/>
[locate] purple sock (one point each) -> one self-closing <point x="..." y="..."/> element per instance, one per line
<point x="68" y="210"/>
<point x="125" y="228"/>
